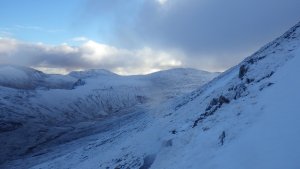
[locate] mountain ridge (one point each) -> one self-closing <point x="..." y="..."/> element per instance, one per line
<point x="46" y="113"/>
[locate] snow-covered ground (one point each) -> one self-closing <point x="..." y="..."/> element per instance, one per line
<point x="245" y="118"/>
<point x="40" y="116"/>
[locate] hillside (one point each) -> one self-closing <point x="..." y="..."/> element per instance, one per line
<point x="38" y="110"/>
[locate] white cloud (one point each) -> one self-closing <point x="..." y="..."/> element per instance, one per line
<point x="64" y="58"/>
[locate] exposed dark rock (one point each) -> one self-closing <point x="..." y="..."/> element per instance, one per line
<point x="249" y="80"/>
<point x="261" y="57"/>
<point x="222" y="138"/>
<point x="223" y="100"/>
<point x="205" y="128"/>
<point x="253" y="60"/>
<point x="148" y="161"/>
<point x="202" y="117"/>
<point x="212" y="103"/>
<point x="276" y="44"/>
<point x="79" y="82"/>
<point x="243" y="71"/>
<point x="231" y="88"/>
<point x="262" y="87"/>
<point x="213" y="106"/>
<point x="270" y="74"/>
<point x="265" y="77"/>
<point x="239" y="91"/>
<point x="174" y="131"/>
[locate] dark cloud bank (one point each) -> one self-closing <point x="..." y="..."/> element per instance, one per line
<point x="217" y="31"/>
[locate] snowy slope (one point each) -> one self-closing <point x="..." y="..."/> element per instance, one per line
<point x="255" y="127"/>
<point x="91" y="94"/>
<point x="91" y="73"/>
<point x="39" y="116"/>
<point x="246" y="118"/>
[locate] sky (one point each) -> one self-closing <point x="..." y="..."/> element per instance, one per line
<point x="139" y="36"/>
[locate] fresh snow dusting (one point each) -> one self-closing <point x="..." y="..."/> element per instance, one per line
<point x="273" y="141"/>
<point x="59" y="109"/>
<point x="247" y="117"/>
<point x="9" y="73"/>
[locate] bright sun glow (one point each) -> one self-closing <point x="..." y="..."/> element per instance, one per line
<point x="162" y="2"/>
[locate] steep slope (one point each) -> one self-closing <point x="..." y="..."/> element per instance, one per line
<point x="37" y="117"/>
<point x="245" y="118"/>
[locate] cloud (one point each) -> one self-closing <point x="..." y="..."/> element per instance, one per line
<point x="141" y="36"/>
<point x="220" y="32"/>
<point x="64" y="58"/>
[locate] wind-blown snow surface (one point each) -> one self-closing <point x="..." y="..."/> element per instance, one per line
<point x="38" y="111"/>
<point x="245" y="118"/>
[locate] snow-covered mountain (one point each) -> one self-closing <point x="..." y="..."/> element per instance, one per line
<point x="37" y="108"/>
<point x="19" y="77"/>
<point x="248" y="117"/>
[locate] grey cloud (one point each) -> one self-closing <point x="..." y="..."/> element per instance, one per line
<point x="225" y="31"/>
<point x="89" y="55"/>
<point x="27" y="54"/>
<point x="206" y="25"/>
<point x="147" y="36"/>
